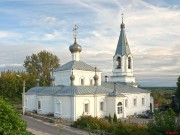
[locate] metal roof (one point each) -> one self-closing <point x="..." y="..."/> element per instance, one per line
<point x="107" y="88"/>
<point x="77" y="65"/>
<point x="122" y="46"/>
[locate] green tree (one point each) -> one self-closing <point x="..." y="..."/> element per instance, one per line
<point x="11" y="85"/>
<point x="39" y="65"/>
<point x="178" y="88"/>
<point x="163" y="122"/>
<point x="109" y="118"/>
<point x="115" y="118"/>
<point x="10" y="120"/>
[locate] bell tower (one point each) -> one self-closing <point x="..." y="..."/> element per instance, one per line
<point x="122" y="60"/>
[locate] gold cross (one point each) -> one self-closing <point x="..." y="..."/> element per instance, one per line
<point x="75" y="31"/>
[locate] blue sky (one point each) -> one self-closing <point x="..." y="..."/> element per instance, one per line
<point x="152" y="29"/>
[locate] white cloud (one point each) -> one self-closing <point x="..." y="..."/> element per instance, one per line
<point x="152" y="30"/>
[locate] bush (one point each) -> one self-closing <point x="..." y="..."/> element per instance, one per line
<point x="163" y="122"/>
<point x="10" y="120"/>
<point x="115" y="118"/>
<point x="118" y="128"/>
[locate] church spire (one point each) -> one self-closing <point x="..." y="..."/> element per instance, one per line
<point x="123" y="59"/>
<point x="122" y="46"/>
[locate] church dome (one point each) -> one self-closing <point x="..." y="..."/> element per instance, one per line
<point x="96" y="77"/>
<point x="75" y="47"/>
<point x="72" y="77"/>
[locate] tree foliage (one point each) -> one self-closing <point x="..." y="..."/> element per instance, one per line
<point x="115" y="118"/>
<point x="39" y="65"/>
<point x="109" y="118"/>
<point x="11" y="84"/>
<point x="10" y="120"/>
<point x="178" y="88"/>
<point x="163" y="122"/>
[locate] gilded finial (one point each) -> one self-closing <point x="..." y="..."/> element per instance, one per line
<point x="122" y="17"/>
<point x="75" y="31"/>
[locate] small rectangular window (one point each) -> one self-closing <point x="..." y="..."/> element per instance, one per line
<point x="86" y="108"/>
<point x="82" y="81"/>
<point x="91" y="82"/>
<point x="135" y="101"/>
<point x="39" y="104"/>
<point x="143" y="101"/>
<point x="101" y="106"/>
<point x="126" y="103"/>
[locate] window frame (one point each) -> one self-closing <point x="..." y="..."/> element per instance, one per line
<point x="39" y="105"/>
<point x="119" y="108"/>
<point x="126" y="102"/>
<point x="135" y="101"/>
<point x="143" y="101"/>
<point x="129" y="63"/>
<point x="102" y="106"/>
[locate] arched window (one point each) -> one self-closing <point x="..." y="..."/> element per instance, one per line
<point x="58" y="107"/>
<point x="129" y="62"/>
<point x="119" y="108"/>
<point x="82" y="80"/>
<point x="118" y="62"/>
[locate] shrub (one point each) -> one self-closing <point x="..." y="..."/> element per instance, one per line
<point x="10" y="120"/>
<point x="118" y="128"/>
<point x="110" y="118"/>
<point x="163" y="122"/>
<point x="115" y="118"/>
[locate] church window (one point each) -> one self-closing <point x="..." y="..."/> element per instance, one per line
<point x="86" y="108"/>
<point x="82" y="81"/>
<point x="91" y="81"/>
<point x="118" y="62"/>
<point x="58" y="107"/>
<point x="143" y="101"/>
<point x="101" y="106"/>
<point x="129" y="62"/>
<point x="119" y="108"/>
<point x="39" y="105"/>
<point x="135" y="102"/>
<point x="126" y="103"/>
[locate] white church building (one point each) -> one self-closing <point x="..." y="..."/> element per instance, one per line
<point x="78" y="89"/>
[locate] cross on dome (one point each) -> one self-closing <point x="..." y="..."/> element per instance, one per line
<point x="75" y="31"/>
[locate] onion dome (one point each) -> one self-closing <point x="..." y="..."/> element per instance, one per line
<point x="75" y="47"/>
<point x="72" y="78"/>
<point x="96" y="77"/>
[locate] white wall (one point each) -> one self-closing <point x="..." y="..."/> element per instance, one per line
<point x="31" y="102"/>
<point x="139" y="108"/>
<point x="63" y="77"/>
<point x="46" y="104"/>
<point x="123" y="74"/>
<point x="66" y="107"/>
